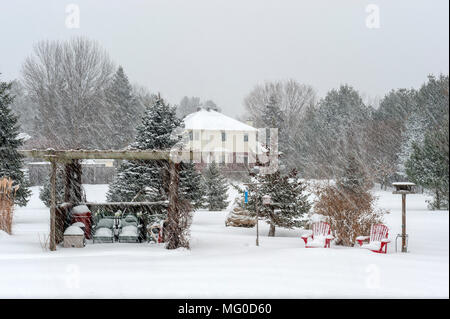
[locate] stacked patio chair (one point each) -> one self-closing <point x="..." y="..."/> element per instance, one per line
<point x="129" y="229"/>
<point x="104" y="231"/>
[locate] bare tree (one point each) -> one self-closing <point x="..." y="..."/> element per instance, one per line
<point x="293" y="101"/>
<point x="68" y="79"/>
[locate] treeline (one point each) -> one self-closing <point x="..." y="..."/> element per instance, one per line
<point x="404" y="138"/>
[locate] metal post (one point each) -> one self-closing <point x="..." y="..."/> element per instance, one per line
<point x="52" y="206"/>
<point x="404" y="248"/>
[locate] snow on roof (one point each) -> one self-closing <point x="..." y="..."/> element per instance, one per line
<point x="212" y="120"/>
<point x="404" y="184"/>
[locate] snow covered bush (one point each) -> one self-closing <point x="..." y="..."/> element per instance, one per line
<point x="239" y="217"/>
<point x="349" y="213"/>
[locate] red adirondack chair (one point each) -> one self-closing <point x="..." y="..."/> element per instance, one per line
<point x="320" y="236"/>
<point x="378" y="239"/>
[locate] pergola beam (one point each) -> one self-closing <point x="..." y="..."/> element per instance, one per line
<point x="130" y="204"/>
<point x="68" y="155"/>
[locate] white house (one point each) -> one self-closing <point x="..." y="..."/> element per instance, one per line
<point x="215" y="136"/>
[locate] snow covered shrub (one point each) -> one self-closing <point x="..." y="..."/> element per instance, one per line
<point x="349" y="213"/>
<point x="7" y="195"/>
<point x="239" y="217"/>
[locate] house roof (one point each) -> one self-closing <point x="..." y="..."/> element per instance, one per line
<point x="212" y="120"/>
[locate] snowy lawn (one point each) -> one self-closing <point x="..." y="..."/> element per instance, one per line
<point x="224" y="262"/>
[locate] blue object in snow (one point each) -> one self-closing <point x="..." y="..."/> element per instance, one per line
<point x="246" y="197"/>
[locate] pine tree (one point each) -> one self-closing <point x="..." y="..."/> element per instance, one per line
<point x="210" y="104"/>
<point x="413" y="134"/>
<point x="290" y="202"/>
<point x="339" y="113"/>
<point x="273" y="117"/>
<point x="192" y="185"/>
<point x="11" y="161"/>
<point x="216" y="188"/>
<point x="123" y="110"/>
<point x="354" y="177"/>
<point x="144" y="180"/>
<point x="272" y="114"/>
<point x="428" y="165"/>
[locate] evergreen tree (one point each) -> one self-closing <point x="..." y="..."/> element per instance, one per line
<point x="428" y="165"/>
<point x="124" y="108"/>
<point x="11" y="161"/>
<point x="353" y="176"/>
<point x="341" y="112"/>
<point x="144" y="180"/>
<point x="210" y="104"/>
<point x="216" y="188"/>
<point x="187" y="106"/>
<point x="272" y="115"/>
<point x="412" y="134"/>
<point x="433" y="100"/>
<point x="192" y="185"/>
<point x="288" y="195"/>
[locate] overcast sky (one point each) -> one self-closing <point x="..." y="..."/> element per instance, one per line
<point x="220" y="49"/>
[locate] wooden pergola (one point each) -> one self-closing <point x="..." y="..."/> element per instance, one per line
<point x="72" y="186"/>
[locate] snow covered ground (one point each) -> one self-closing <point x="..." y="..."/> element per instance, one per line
<point x="224" y="262"/>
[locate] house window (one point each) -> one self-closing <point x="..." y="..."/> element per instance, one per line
<point x="191" y="136"/>
<point x="224" y="137"/>
<point x="245" y="137"/>
<point x="246" y="160"/>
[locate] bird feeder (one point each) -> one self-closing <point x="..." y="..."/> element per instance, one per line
<point x="403" y="188"/>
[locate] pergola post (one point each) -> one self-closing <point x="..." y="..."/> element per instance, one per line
<point x="68" y="173"/>
<point x="172" y="211"/>
<point x="53" y="205"/>
<point x="76" y="186"/>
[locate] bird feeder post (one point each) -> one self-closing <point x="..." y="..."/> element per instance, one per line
<point x="403" y="188"/>
<point x="404" y="248"/>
